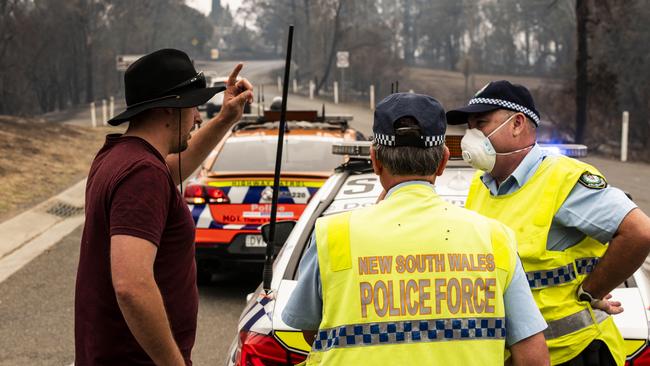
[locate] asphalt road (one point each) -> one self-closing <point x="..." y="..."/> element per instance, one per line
<point x="37" y="311"/>
<point x="36" y="303"/>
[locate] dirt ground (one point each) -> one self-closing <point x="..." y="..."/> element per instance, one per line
<point x="39" y="159"/>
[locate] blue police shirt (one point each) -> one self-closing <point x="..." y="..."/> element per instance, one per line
<point x="585" y="212"/>
<point x="305" y="307"/>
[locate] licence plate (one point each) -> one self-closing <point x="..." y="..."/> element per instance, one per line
<point x="254" y="241"/>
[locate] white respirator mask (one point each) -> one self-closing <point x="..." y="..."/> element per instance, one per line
<point x="478" y="150"/>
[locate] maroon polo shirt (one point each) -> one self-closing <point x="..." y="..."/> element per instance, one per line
<point x="131" y="192"/>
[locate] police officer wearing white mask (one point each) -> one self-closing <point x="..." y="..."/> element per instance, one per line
<point x="414" y="280"/>
<point x="564" y="215"/>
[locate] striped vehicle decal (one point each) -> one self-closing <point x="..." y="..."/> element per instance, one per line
<point x="262" y="305"/>
<point x="248" y="192"/>
<point x="203" y="220"/>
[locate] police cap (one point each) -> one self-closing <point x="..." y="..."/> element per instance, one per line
<point x="427" y="111"/>
<point x="497" y="95"/>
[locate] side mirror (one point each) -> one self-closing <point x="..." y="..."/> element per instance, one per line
<point x="282" y="231"/>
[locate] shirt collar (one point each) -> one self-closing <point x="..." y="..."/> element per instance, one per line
<point x="408" y="183"/>
<point x="519" y="176"/>
<point x="525" y="170"/>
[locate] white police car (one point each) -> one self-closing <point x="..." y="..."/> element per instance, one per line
<point x="264" y="339"/>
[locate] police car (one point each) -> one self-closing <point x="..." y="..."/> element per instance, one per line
<point x="230" y="197"/>
<point x="264" y="339"/>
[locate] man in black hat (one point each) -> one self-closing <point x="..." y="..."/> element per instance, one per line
<point x="136" y="297"/>
<point x="380" y="284"/>
<point x="564" y="213"/>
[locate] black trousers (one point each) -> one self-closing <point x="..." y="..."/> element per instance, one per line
<point x="596" y="354"/>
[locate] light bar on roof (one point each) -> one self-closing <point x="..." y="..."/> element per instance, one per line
<point x="361" y="149"/>
<point x="355" y="149"/>
<point x="570" y="150"/>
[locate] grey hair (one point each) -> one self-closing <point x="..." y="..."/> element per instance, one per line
<point x="409" y="160"/>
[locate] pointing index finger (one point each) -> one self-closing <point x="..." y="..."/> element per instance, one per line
<point x="232" y="79"/>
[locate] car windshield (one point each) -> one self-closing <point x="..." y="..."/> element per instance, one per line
<point x="217" y="99"/>
<point x="257" y="154"/>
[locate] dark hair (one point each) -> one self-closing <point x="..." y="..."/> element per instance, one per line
<point x="409" y="160"/>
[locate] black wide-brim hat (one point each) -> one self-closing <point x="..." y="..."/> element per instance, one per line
<point x="163" y="79"/>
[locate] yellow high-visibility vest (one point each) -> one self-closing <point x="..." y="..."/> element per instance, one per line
<point x="554" y="276"/>
<point x="412" y="280"/>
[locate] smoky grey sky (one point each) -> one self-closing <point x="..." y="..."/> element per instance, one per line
<point x="205" y="6"/>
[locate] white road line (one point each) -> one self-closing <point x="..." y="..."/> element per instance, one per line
<point x="32" y="249"/>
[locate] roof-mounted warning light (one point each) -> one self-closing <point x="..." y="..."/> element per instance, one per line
<point x="570" y="150"/>
<point x="361" y="149"/>
<point x="354" y="149"/>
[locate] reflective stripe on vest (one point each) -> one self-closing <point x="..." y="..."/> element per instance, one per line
<point x="586" y="265"/>
<point x="574" y="322"/>
<point x="409" y="331"/>
<point x="560" y="275"/>
<point x="551" y="277"/>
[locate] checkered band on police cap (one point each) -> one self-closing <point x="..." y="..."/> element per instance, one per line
<point x="497" y="95"/>
<point x="427" y="111"/>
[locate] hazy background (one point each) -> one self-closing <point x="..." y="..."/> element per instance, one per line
<point x="584" y="60"/>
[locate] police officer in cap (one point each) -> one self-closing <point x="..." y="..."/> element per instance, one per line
<point x="414" y="279"/>
<point x="563" y="213"/>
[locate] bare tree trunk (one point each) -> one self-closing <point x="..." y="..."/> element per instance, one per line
<point x="90" y="95"/>
<point x="527" y="35"/>
<point x="307" y="36"/>
<point x="407" y="33"/>
<point x="450" y="53"/>
<point x="582" y="77"/>
<point x="335" y="40"/>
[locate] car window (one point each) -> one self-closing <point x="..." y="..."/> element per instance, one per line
<point x="300" y="154"/>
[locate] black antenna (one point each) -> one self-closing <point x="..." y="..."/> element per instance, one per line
<point x="392" y="88"/>
<point x="267" y="275"/>
<point x="396" y="86"/>
<point x="323" y="112"/>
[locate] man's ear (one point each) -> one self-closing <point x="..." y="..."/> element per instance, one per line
<point x="443" y="162"/>
<point x="376" y="165"/>
<point x="519" y="124"/>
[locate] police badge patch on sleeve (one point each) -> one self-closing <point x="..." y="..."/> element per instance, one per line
<point x="592" y="181"/>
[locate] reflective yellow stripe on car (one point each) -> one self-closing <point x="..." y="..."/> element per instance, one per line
<point x="632" y="346"/>
<point x="266" y="183"/>
<point x="294" y="341"/>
